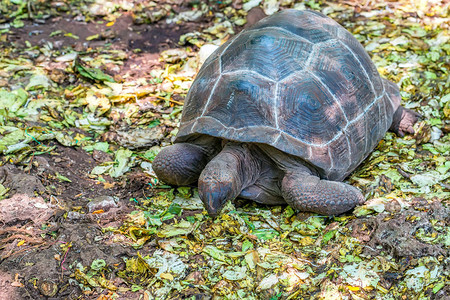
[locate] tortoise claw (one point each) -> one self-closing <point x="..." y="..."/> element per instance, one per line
<point x="404" y="120"/>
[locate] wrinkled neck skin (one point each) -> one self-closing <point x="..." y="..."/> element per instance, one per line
<point x="241" y="165"/>
<point x="211" y="145"/>
<point x="249" y="166"/>
<point x="286" y="162"/>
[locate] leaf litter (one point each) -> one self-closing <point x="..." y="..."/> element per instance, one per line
<point x="84" y="110"/>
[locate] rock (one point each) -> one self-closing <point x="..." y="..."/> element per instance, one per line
<point x="22" y="207"/>
<point x="18" y="182"/>
<point x="140" y="137"/>
<point x="104" y="203"/>
<point x="205" y="51"/>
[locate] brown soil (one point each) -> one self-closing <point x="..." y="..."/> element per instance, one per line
<point x="45" y="255"/>
<point x="38" y="253"/>
<point x="124" y="34"/>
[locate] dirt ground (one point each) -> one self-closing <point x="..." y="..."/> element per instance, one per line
<point x="42" y="269"/>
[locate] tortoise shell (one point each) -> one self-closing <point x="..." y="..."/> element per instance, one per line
<point x="297" y="81"/>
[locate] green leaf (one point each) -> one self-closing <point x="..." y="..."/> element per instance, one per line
<point x="182" y="228"/>
<point x="430" y="75"/>
<point x="235" y="273"/>
<point x="98" y="264"/>
<point x="57" y="32"/>
<point x="154" y="123"/>
<point x="92" y="37"/>
<point x="98" y="170"/>
<point x="151" y="153"/>
<point x="328" y="236"/>
<point x="62" y="178"/>
<point x="154" y="220"/>
<point x="215" y="253"/>
<point x="443" y="169"/>
<point x="435" y="121"/>
<point x="17" y="23"/>
<point x="416" y="31"/>
<point x="101" y="146"/>
<point x="38" y="81"/>
<point x="266" y="233"/>
<point x="135" y="288"/>
<point x="121" y="162"/>
<point x="433" y="55"/>
<point x="438" y="287"/>
<point x="69" y="34"/>
<point x="14" y="100"/>
<point x="247" y="245"/>
<point x="174" y="209"/>
<point x="184" y="192"/>
<point x="3" y="191"/>
<point x="91" y="73"/>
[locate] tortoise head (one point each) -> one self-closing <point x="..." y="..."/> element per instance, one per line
<point x="217" y="185"/>
<point x="226" y="175"/>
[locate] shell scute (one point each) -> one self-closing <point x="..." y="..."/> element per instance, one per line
<point x="340" y="157"/>
<point x="242" y="101"/>
<point x="272" y="54"/>
<point x="308" y="111"/>
<point x="356" y="134"/>
<point x="201" y="88"/>
<point x="345" y="78"/>
<point x="375" y="124"/>
<point x="306" y="25"/>
<point x="361" y="55"/>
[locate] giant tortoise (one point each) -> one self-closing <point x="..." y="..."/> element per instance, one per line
<point x="282" y="113"/>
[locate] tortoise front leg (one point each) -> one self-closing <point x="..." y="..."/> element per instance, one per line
<point x="180" y="164"/>
<point x="403" y="121"/>
<point x="306" y="192"/>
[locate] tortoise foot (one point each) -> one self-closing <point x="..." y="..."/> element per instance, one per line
<point x="180" y="164"/>
<point x="306" y="192"/>
<point x="403" y="121"/>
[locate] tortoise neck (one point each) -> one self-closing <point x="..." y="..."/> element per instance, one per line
<point x="226" y="175"/>
<point x="286" y="162"/>
<point x="248" y="166"/>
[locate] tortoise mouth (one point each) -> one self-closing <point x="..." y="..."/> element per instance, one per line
<point x="215" y="196"/>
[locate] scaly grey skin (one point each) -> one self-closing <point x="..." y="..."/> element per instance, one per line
<point x="306" y="192"/>
<point x="226" y="175"/>
<point x="260" y="173"/>
<point x="181" y="164"/>
<point x="403" y="121"/>
<point x="267" y="188"/>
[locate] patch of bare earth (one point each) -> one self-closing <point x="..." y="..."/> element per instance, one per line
<point x="43" y="241"/>
<point x="396" y="234"/>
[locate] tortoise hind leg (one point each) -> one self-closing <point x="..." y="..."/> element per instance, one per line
<point x="306" y="192"/>
<point x="403" y="121"/>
